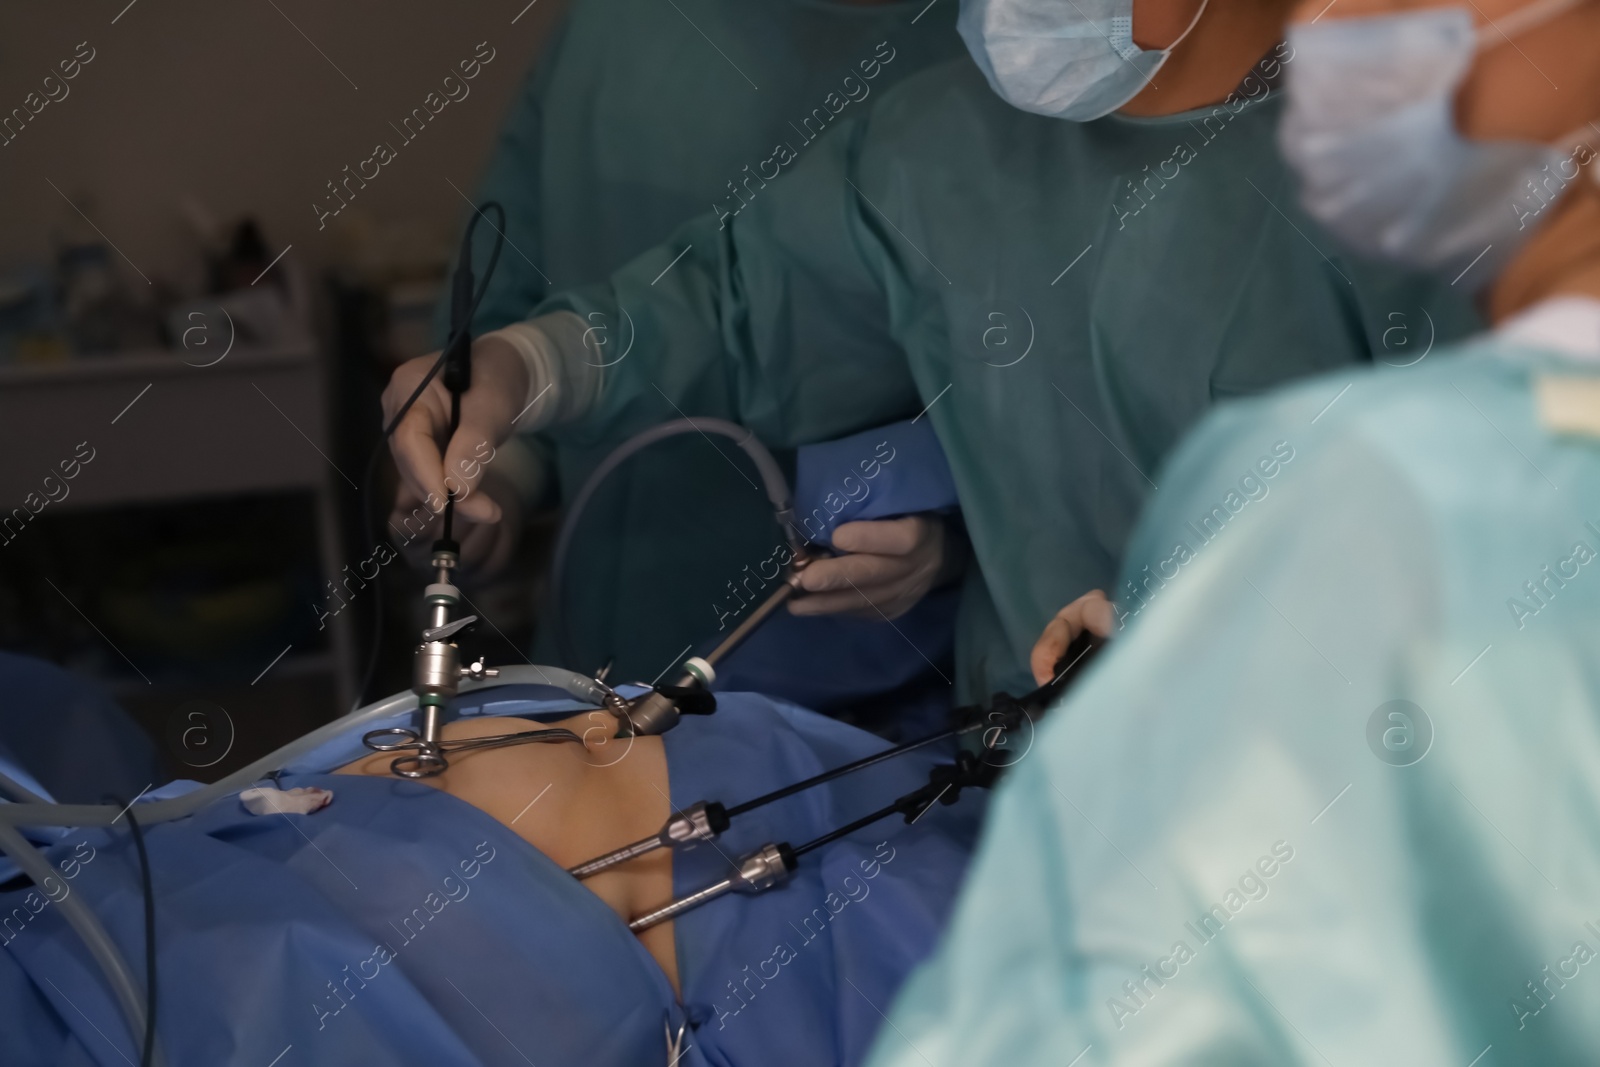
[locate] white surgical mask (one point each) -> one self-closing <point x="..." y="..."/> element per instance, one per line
<point x="1069" y="59"/>
<point x="1369" y="127"/>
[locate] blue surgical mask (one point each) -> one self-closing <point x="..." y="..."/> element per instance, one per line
<point x="1370" y="128"/>
<point x="1069" y="59"/>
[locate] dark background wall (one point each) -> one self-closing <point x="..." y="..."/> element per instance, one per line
<point x="187" y="567"/>
<point x="243" y="105"/>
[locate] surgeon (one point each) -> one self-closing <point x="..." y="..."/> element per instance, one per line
<point x="1330" y="796"/>
<point x="637" y="117"/>
<point x="1059" y="252"/>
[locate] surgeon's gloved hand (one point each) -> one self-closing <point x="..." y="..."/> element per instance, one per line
<point x="1092" y="612"/>
<point x="486" y="547"/>
<point x="429" y="460"/>
<point x="888" y="565"/>
<point x="529" y="376"/>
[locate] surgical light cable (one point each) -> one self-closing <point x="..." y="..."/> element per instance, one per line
<point x="772" y="479"/>
<point x="460" y="327"/>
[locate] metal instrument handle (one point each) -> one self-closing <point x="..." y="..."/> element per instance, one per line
<point x="405" y="739"/>
<point x="423" y="764"/>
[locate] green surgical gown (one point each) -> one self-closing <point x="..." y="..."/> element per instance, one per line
<point x="1333" y="795"/>
<point x="638" y="117"/>
<point x="1062" y="299"/>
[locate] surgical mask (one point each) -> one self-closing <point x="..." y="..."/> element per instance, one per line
<point x="1370" y="128"/>
<point x="1068" y="59"/>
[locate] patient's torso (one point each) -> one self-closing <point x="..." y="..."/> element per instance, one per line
<point x="572" y="802"/>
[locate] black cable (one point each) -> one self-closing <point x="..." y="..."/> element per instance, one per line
<point x="458" y="329"/>
<point x="445" y="538"/>
<point x="772" y="478"/>
<point x="1076" y="657"/>
<point x="828" y="776"/>
<point x="849" y="828"/>
<point x="967" y="772"/>
<point x="147" y="1057"/>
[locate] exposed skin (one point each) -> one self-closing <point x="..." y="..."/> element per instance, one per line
<point x="1231" y="36"/>
<point x="1541" y="86"/>
<point x="572" y="802"/>
<point x="1563" y="257"/>
<point x="1092" y="612"/>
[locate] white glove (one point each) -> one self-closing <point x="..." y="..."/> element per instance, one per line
<point x="1092" y="612"/>
<point x="486" y="547"/>
<point x="528" y="376"/>
<point x="889" y="565"/>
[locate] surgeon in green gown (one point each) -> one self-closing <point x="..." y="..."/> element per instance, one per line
<point x="1330" y="796"/>
<point x="1061" y="291"/>
<point x="639" y="115"/>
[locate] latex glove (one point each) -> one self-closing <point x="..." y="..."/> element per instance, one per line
<point x="889" y="565"/>
<point x="486" y="547"/>
<point x="1092" y="612"/>
<point x="427" y="462"/>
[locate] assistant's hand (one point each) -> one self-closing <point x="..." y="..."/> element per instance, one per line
<point x="889" y="565"/>
<point x="486" y="547"/>
<point x="421" y="453"/>
<point x="1092" y="612"/>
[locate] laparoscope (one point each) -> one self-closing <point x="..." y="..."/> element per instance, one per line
<point x="437" y="671"/>
<point x="437" y="667"/>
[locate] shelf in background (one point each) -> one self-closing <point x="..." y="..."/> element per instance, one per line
<point x="145" y="364"/>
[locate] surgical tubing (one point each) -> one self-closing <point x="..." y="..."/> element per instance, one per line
<point x="20" y="792"/>
<point x="159" y="811"/>
<point x="128" y="994"/>
<point x="772" y="479"/>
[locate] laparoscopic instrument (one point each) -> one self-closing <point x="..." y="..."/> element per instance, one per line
<point x="771" y="864"/>
<point x="437" y="670"/>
